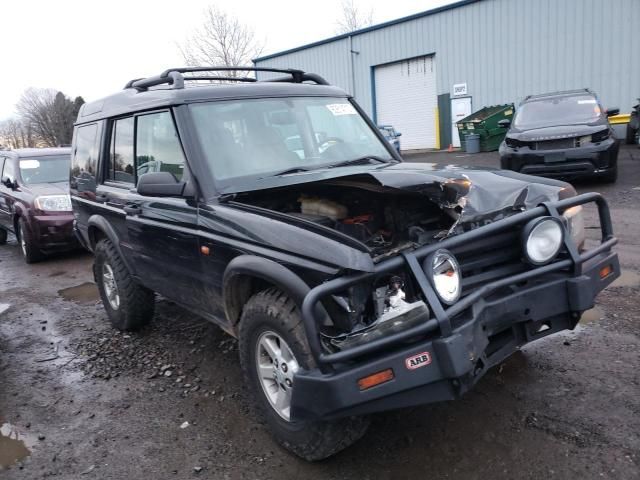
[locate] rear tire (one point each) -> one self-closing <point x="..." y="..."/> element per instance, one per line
<point x="3" y="236"/>
<point x="631" y="136"/>
<point x="129" y="305"/>
<point x="271" y="312"/>
<point x="29" y="252"/>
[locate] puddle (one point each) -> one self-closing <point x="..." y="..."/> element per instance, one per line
<point x="594" y="314"/>
<point x="627" y="279"/>
<point x="86" y="293"/>
<point x="13" y="445"/>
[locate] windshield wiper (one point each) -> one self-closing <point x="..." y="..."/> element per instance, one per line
<point x="288" y="171"/>
<point x="359" y="161"/>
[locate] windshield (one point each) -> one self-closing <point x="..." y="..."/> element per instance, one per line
<point x="49" y="169"/>
<point x="579" y="109"/>
<point x="262" y="137"/>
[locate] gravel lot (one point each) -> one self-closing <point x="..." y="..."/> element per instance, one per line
<point x="80" y="400"/>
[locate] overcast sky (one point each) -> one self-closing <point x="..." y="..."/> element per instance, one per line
<point x="92" y="48"/>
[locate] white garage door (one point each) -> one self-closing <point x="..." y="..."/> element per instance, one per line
<point x="406" y="98"/>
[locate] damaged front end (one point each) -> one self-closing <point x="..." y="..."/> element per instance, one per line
<point x="394" y="210"/>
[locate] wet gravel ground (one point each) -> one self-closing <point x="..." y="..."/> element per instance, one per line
<point x="79" y="400"/>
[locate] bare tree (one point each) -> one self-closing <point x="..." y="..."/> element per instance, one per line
<point x="221" y="41"/>
<point x="353" y="18"/>
<point x="14" y="133"/>
<point x="49" y="115"/>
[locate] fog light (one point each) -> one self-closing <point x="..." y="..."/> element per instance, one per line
<point x="542" y="240"/>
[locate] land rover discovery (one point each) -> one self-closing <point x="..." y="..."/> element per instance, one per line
<point x="354" y="282"/>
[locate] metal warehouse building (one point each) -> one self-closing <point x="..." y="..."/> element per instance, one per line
<point x="423" y="72"/>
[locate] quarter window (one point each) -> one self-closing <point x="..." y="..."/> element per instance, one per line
<point x="158" y="146"/>
<point x="86" y="152"/>
<point x="121" y="155"/>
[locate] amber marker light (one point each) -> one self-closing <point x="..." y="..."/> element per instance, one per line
<point x="205" y="250"/>
<point x="375" y="379"/>
<point x="606" y="271"/>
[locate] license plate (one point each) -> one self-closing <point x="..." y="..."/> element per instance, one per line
<point x="554" y="157"/>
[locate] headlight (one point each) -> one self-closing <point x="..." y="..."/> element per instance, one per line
<point x="53" y="203"/>
<point x="444" y="271"/>
<point x="542" y="238"/>
<point x="575" y="225"/>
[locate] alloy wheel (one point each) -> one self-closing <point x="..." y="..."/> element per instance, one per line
<point x="276" y="366"/>
<point x="110" y="286"/>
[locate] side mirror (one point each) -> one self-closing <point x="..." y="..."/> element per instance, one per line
<point x="398" y="134"/>
<point x="504" y="123"/>
<point x="612" y="111"/>
<point x="160" y="184"/>
<point x="7" y="182"/>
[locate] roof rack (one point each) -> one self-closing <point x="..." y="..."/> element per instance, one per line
<point x="175" y="77"/>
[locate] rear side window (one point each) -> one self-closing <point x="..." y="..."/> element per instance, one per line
<point x="158" y="147"/>
<point x="121" y="165"/>
<point x="85" y="156"/>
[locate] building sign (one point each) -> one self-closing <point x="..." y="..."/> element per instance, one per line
<point x="459" y="89"/>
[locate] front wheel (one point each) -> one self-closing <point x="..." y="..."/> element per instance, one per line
<point x="129" y="305"/>
<point x="273" y="348"/>
<point x="30" y="252"/>
<point x="3" y="236"/>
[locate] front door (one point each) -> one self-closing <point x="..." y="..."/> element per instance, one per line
<point x="6" y="194"/>
<point x="460" y="108"/>
<point x="161" y="232"/>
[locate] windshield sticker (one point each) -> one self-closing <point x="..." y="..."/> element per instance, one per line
<point x="342" y="109"/>
<point x="583" y="102"/>
<point x="29" y="164"/>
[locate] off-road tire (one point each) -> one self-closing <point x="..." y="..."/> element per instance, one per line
<point x="272" y="310"/>
<point x="137" y="303"/>
<point x="29" y="252"/>
<point x="3" y="236"/>
<point x="611" y="176"/>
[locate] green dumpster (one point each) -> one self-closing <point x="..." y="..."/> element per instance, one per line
<point x="484" y="122"/>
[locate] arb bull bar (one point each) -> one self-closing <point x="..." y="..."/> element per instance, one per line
<point x="574" y="273"/>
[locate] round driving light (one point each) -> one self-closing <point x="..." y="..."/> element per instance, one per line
<point x="542" y="238"/>
<point x="444" y="271"/>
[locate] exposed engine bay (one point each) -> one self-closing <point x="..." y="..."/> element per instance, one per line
<point x="385" y="220"/>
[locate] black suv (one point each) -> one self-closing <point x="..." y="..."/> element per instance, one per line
<point x="561" y="134"/>
<point x="354" y="282"/>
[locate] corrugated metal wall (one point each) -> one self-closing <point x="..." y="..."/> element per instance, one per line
<point x="503" y="49"/>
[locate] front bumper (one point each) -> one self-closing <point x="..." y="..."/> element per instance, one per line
<point x="462" y="341"/>
<point x="53" y="232"/>
<point x="587" y="161"/>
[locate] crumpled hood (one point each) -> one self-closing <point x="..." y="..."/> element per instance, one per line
<point x="473" y="193"/>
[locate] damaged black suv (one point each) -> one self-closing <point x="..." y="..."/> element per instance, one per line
<point x="354" y="282"/>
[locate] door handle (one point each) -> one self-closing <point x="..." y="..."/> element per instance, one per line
<point x="100" y="198"/>
<point x="132" y="209"/>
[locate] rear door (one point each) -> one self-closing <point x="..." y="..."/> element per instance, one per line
<point x="161" y="233"/>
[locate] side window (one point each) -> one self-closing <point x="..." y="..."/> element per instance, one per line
<point x="85" y="159"/>
<point x="1" y="167"/>
<point x="157" y="145"/>
<point x="121" y="152"/>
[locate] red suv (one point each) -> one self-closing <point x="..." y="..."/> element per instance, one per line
<point x="34" y="200"/>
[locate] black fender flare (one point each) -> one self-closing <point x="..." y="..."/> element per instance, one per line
<point x="270" y="272"/>
<point x="100" y="223"/>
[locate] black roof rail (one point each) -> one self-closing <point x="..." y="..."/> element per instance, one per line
<point x="558" y="93"/>
<point x="175" y="77"/>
